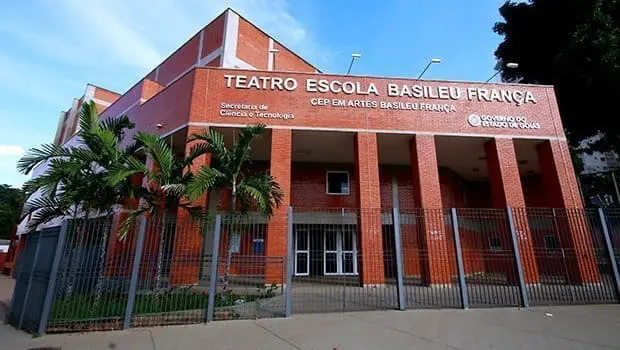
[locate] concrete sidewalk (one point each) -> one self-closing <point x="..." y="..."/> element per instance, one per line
<point x="574" y="327"/>
<point x="566" y="327"/>
<point x="7" y="284"/>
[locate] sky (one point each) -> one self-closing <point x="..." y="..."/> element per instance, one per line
<point x="50" y="49"/>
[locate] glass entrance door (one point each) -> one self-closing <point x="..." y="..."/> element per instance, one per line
<point x="348" y="253"/>
<point x="331" y="262"/>
<point x="340" y="253"/>
<point x="302" y="253"/>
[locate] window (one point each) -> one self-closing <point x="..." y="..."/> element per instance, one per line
<point x="495" y="244"/>
<point x="337" y="182"/>
<point x="552" y="244"/>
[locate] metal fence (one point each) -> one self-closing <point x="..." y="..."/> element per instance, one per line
<point x="30" y="305"/>
<point x="336" y="266"/>
<point x="571" y="257"/>
<point x="180" y="270"/>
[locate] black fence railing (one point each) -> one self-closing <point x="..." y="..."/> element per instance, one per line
<point x="180" y="270"/>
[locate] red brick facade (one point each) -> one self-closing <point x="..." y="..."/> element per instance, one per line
<point x="225" y="77"/>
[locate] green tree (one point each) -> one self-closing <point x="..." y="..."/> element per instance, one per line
<point x="11" y="204"/>
<point x="75" y="182"/>
<point x="165" y="186"/>
<point x="231" y="171"/>
<point x="172" y="180"/>
<point x="575" y="46"/>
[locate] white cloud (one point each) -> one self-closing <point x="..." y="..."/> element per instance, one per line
<point x="51" y="45"/>
<point x="110" y="26"/>
<point x="11" y="150"/>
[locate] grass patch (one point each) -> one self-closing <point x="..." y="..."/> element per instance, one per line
<point x="83" y="307"/>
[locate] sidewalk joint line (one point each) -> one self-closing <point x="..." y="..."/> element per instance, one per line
<point x="405" y="332"/>
<point x="278" y="336"/>
<point x="152" y="340"/>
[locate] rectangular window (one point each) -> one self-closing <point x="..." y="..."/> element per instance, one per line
<point x="495" y="244"/>
<point x="337" y="182"/>
<point x="552" y="244"/>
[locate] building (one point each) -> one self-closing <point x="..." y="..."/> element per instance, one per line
<point x="597" y="161"/>
<point x="358" y="144"/>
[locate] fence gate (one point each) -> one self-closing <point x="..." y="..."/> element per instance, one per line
<point x="332" y="272"/>
<point x="33" y="271"/>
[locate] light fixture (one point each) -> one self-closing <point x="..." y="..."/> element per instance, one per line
<point x="511" y="65"/>
<point x="159" y="125"/>
<point x="354" y="56"/>
<point x="433" y="60"/>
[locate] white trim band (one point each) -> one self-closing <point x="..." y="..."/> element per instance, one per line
<point x="270" y="55"/>
<point x="231" y="33"/>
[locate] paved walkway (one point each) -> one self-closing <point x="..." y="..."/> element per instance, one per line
<point x="570" y="327"/>
<point x="6" y="293"/>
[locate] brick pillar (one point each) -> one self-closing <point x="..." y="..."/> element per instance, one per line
<point x="434" y="245"/>
<point x="562" y="191"/>
<point x="370" y="237"/>
<point x="507" y="191"/>
<point x="188" y="241"/>
<point x="120" y="253"/>
<point x="277" y="233"/>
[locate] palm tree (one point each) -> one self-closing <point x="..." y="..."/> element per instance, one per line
<point x="231" y="171"/>
<point x="165" y="187"/>
<point x="76" y="178"/>
<point x="75" y="182"/>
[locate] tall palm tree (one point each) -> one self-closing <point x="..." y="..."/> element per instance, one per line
<point x="75" y="181"/>
<point x="231" y="170"/>
<point x="165" y="186"/>
<point x="76" y="178"/>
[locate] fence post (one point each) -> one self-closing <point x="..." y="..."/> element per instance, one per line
<point x="33" y="268"/>
<point x="400" y="285"/>
<point x="610" y="251"/>
<point x="214" y="265"/>
<point x="613" y="178"/>
<point x="290" y="265"/>
<point x="459" y="259"/>
<point x="51" y="285"/>
<point x="517" y="256"/>
<point x="135" y="272"/>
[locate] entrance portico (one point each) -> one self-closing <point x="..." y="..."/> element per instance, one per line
<point x="487" y="150"/>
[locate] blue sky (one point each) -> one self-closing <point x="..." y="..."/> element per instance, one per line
<point x="50" y="49"/>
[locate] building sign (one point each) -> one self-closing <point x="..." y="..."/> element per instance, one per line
<point x="501" y="122"/>
<point x="413" y="91"/>
<point x="243" y="110"/>
<point x="398" y="104"/>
